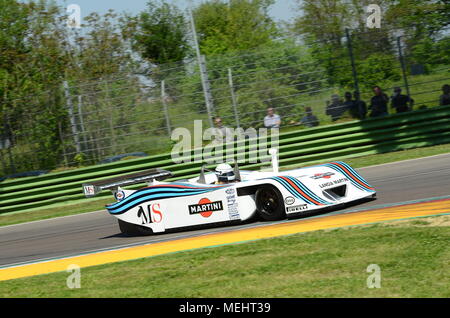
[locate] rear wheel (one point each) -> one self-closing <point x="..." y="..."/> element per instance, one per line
<point x="269" y="203"/>
<point x="130" y="229"/>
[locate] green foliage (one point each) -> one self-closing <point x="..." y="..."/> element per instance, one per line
<point x="336" y="62"/>
<point x="323" y="20"/>
<point x="237" y="25"/>
<point x="423" y="18"/>
<point x="103" y="51"/>
<point x="31" y="63"/>
<point x="161" y="36"/>
<point x="431" y="53"/>
<point x="38" y="53"/>
<point x="13" y="18"/>
<point x="376" y="69"/>
<point x="115" y="66"/>
<point x="80" y="159"/>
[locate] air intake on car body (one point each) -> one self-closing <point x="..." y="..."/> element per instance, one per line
<point x="336" y="193"/>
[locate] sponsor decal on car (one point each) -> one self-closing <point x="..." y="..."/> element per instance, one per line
<point x="326" y="175"/>
<point x="119" y="195"/>
<point x="296" y="208"/>
<point x="289" y="200"/>
<point x="333" y="183"/>
<point x="232" y="204"/>
<point x="152" y="213"/>
<point x="205" y="207"/>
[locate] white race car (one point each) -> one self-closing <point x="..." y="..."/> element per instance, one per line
<point x="201" y="201"/>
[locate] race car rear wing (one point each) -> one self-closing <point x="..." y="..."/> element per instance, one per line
<point x="93" y="188"/>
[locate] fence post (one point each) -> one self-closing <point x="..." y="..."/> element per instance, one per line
<point x="61" y="138"/>
<point x="4" y="166"/>
<point x="402" y="63"/>
<point x="8" y="141"/>
<point x="206" y="89"/>
<point x="115" y="146"/>
<point x="73" y="123"/>
<point x="233" y="98"/>
<point x="203" y="72"/>
<point x="4" y="143"/>
<point x="166" y="111"/>
<point x="11" y="160"/>
<point x="352" y="60"/>
<point x="80" y="117"/>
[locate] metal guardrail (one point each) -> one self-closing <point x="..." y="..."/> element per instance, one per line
<point x="324" y="143"/>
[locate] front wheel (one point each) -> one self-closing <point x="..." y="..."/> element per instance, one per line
<point x="130" y="229"/>
<point x="269" y="203"/>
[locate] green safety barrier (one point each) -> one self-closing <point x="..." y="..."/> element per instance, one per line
<point x="302" y="146"/>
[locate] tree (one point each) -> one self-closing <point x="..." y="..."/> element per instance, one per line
<point x="31" y="63"/>
<point x="419" y="18"/>
<point x="423" y="24"/>
<point x="323" y="24"/>
<point x="323" y="20"/>
<point x="37" y="54"/>
<point x="234" y="25"/>
<point x="104" y="75"/>
<point x="162" y="33"/>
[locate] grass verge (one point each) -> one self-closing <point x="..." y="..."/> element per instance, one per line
<point x="95" y="205"/>
<point x="413" y="256"/>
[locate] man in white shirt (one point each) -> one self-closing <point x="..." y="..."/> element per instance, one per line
<point x="272" y="120"/>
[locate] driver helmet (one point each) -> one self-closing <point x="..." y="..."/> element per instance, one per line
<point x="225" y="173"/>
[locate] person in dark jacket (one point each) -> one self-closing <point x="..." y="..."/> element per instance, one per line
<point x="379" y="103"/>
<point x="444" y="99"/>
<point x="401" y="103"/>
<point x="309" y="120"/>
<point x="359" y="106"/>
<point x="335" y="109"/>
<point x="348" y="103"/>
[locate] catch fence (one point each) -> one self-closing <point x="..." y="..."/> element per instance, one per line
<point x="304" y="82"/>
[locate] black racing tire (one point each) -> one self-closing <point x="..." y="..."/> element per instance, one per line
<point x="269" y="203"/>
<point x="130" y="229"/>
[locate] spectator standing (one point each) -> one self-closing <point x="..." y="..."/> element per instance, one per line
<point x="359" y="109"/>
<point x="224" y="133"/>
<point x="348" y="103"/>
<point x="444" y="99"/>
<point x="335" y="109"/>
<point x="309" y="120"/>
<point x="378" y="103"/>
<point x="272" y="120"/>
<point x="401" y="103"/>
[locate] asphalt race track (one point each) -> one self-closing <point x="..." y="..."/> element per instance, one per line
<point x="74" y="235"/>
